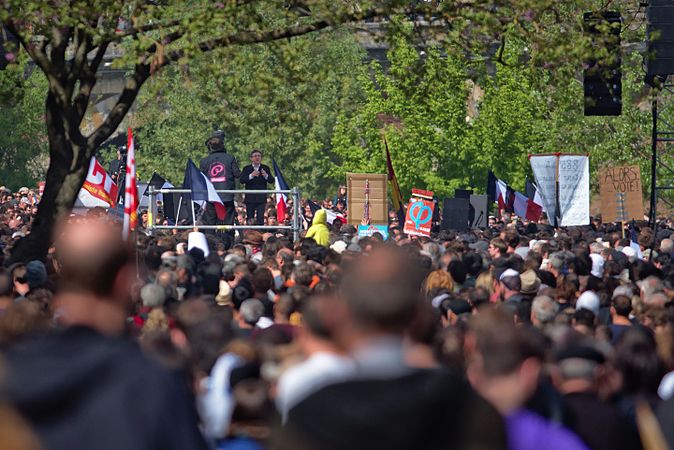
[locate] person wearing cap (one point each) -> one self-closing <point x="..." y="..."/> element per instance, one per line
<point x="222" y="169"/>
<point x="256" y="176"/>
<point x="508" y="286"/>
<point x="577" y="376"/>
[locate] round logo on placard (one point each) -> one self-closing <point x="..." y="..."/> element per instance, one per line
<point x="420" y="214"/>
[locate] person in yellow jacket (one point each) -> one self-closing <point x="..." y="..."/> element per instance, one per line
<point x="319" y="229"/>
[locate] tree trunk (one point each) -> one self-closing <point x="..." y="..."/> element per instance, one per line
<point x="68" y="166"/>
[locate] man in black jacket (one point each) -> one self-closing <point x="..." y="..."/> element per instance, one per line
<point x="222" y="169"/>
<point x="378" y="401"/>
<point x="256" y="176"/>
<point x="85" y="385"/>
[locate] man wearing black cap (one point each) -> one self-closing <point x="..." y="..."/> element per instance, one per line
<point x="222" y="169"/>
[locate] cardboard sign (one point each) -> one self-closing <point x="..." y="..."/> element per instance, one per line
<point x="355" y="185"/>
<point x="419" y="217"/>
<point x="621" y="193"/>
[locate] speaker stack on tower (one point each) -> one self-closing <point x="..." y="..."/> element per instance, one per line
<point x="660" y="38"/>
<point x="602" y="77"/>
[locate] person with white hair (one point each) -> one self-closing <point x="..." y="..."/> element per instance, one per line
<point x="590" y="301"/>
<point x="153" y="295"/>
<point x="543" y="311"/>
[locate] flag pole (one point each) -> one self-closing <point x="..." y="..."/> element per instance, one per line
<point x="180" y="204"/>
<point x="194" y="220"/>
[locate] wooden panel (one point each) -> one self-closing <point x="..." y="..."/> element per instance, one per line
<point x="355" y="184"/>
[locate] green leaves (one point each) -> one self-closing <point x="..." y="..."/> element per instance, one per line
<point x="23" y="142"/>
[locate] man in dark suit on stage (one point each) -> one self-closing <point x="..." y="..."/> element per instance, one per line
<point x="256" y="176"/>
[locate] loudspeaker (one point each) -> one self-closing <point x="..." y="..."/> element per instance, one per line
<point x="660" y="39"/>
<point x="602" y="78"/>
<point x="455" y="213"/>
<point x="479" y="210"/>
<point x="463" y="193"/>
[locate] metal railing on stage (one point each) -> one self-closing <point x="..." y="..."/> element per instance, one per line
<point x="294" y="194"/>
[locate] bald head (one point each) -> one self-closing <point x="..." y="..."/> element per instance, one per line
<point x="91" y="253"/>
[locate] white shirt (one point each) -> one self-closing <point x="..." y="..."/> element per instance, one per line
<point x="250" y="177"/>
<point x="216" y="403"/>
<point x="319" y="370"/>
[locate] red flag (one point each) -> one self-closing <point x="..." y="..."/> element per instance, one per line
<point x="98" y="188"/>
<point x="131" y="191"/>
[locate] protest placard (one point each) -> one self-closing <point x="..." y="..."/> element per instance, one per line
<point x="621" y="193"/>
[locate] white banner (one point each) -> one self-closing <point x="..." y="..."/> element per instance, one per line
<point x="574" y="190"/>
<point x="545" y="168"/>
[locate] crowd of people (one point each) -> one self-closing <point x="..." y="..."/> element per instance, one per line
<point x="517" y="336"/>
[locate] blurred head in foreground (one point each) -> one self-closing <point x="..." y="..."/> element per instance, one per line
<point x="95" y="275"/>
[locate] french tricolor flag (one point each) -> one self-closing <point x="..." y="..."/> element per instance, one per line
<point x="203" y="190"/>
<point x="281" y="199"/>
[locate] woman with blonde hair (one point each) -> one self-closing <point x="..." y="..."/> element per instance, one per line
<point x="484" y="280"/>
<point x="436" y="281"/>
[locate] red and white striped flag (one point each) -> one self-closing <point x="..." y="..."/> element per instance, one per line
<point x="131" y="191"/>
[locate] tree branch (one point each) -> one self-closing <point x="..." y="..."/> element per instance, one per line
<point x="82" y="49"/>
<point x="87" y="82"/>
<point x="124" y="102"/>
<point x="253" y="37"/>
<point x="59" y="44"/>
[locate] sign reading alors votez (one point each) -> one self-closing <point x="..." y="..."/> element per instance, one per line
<point x="621" y="194"/>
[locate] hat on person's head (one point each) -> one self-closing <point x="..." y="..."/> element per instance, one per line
<point x="18" y="234"/>
<point x="224" y="297"/>
<point x="252" y="237"/>
<point x="480" y="246"/>
<point x="588" y="300"/>
<point x="508" y="273"/>
<point x="597" y="265"/>
<point x="36" y="274"/>
<point x="339" y="246"/>
<point x="530" y="282"/>
<point x="218" y="135"/>
<point x="460" y="306"/>
<point x="23" y="190"/>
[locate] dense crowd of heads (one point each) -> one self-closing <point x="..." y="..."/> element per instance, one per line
<point x="560" y="323"/>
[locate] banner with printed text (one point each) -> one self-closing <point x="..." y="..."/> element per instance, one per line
<point x="98" y="188"/>
<point x="545" y="170"/>
<point x="574" y="190"/>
